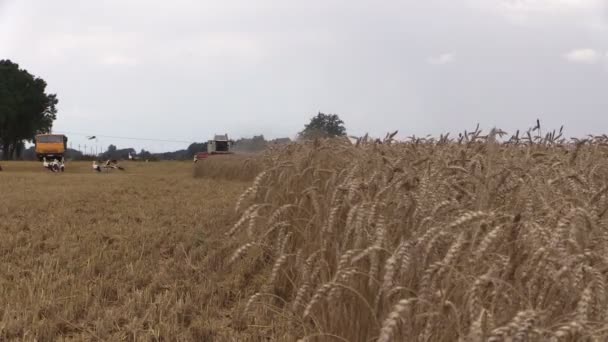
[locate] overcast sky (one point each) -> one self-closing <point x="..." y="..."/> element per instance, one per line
<point x="186" y="69"/>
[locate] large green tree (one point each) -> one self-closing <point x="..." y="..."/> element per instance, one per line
<point x="25" y="108"/>
<point x="323" y="126"/>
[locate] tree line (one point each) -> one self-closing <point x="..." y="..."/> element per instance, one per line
<point x="27" y="110"/>
<point x="248" y="145"/>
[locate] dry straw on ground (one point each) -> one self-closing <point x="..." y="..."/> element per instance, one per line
<point x="115" y="256"/>
<point x="466" y="240"/>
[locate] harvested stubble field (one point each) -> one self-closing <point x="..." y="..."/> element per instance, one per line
<point x="441" y="241"/>
<point x="114" y="256"/>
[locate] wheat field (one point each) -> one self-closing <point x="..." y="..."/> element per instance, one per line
<point x="241" y="167"/>
<point x="429" y="240"/>
<point x="436" y="240"/>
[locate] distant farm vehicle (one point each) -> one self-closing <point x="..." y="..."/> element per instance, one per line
<point x="219" y="145"/>
<point x="50" y="146"/>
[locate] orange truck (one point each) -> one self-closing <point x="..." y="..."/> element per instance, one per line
<point x="51" y="146"/>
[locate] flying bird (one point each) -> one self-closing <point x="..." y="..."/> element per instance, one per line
<point x="92" y="137"/>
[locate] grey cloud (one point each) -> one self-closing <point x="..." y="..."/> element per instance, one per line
<point x="587" y="56"/>
<point x="444" y="58"/>
<point x="187" y="69"/>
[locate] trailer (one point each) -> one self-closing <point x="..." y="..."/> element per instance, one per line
<point x="50" y="146"/>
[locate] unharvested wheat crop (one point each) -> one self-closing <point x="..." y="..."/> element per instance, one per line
<point x="468" y="240"/>
<point x="229" y="167"/>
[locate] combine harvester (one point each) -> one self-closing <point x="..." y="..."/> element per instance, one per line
<point x="51" y="147"/>
<point x="219" y="145"/>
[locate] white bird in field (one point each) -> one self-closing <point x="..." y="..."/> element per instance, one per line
<point x="60" y="164"/>
<point x="113" y="164"/>
<point x="54" y="166"/>
<point x="46" y="164"/>
<point x="96" y="167"/>
<point x="109" y="164"/>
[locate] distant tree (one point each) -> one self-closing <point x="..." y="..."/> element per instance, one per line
<point x="195" y="148"/>
<point x="258" y="142"/>
<point x="29" y="154"/>
<point x="279" y="141"/>
<point x="73" y="154"/>
<point x="18" y="149"/>
<point x="25" y="108"/>
<point x="143" y="154"/>
<point x="255" y="144"/>
<point x="114" y="153"/>
<point x="175" y="155"/>
<point x="323" y="125"/>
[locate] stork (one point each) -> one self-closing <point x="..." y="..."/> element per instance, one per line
<point x="54" y="166"/>
<point x="96" y="167"/>
<point x="114" y="165"/>
<point x="109" y="164"/>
